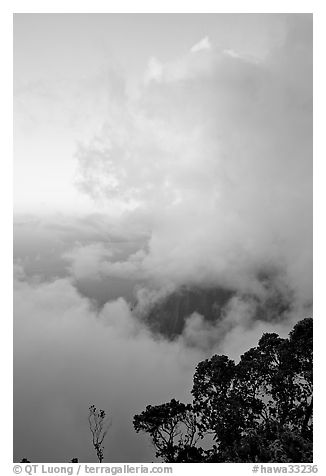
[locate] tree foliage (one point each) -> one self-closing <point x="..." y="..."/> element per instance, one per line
<point x="173" y="429"/>
<point x="258" y="410"/>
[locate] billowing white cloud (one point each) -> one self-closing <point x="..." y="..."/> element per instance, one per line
<point x="216" y="157"/>
<point x="87" y="260"/>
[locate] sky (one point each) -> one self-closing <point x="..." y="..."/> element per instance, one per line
<point x="151" y="152"/>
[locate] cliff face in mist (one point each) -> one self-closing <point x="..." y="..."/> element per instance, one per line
<point x="168" y="315"/>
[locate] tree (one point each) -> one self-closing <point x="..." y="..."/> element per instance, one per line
<point x="173" y="429"/>
<point x="259" y="410"/>
<point x="99" y="425"/>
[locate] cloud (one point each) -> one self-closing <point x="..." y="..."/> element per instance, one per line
<point x="203" y="44"/>
<point x="87" y="260"/>
<point x="236" y="331"/>
<point x="207" y="177"/>
<point x="67" y="357"/>
<point x="44" y="245"/>
<point x="215" y="156"/>
<point x="154" y="70"/>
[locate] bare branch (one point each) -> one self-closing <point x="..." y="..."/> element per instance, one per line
<point x="99" y="425"/>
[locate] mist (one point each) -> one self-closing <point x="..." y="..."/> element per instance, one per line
<point x="186" y="178"/>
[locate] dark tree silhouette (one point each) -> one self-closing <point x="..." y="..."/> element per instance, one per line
<point x="259" y="410"/>
<point x="173" y="429"/>
<point x="99" y="425"/>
